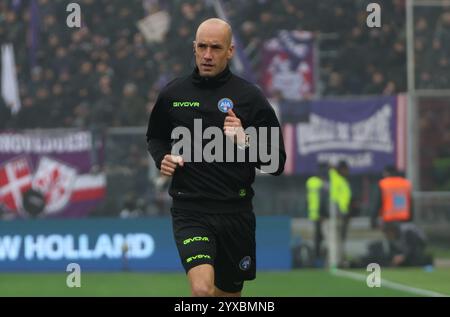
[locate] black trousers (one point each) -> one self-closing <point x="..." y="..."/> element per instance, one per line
<point x="318" y="237"/>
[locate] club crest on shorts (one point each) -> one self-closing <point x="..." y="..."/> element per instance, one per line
<point x="225" y="104"/>
<point x="245" y="263"/>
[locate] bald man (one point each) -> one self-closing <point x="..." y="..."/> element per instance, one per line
<point x="214" y="34"/>
<point x="212" y="213"/>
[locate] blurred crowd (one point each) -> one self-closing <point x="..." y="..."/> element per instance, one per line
<point x="434" y="123"/>
<point x="354" y="59"/>
<point x="432" y="47"/>
<point x="106" y="74"/>
<point x="103" y="74"/>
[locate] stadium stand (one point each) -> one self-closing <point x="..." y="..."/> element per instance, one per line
<point x="105" y="74"/>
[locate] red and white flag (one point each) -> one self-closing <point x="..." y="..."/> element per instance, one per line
<point x="89" y="187"/>
<point x="15" y="180"/>
<point x="55" y="181"/>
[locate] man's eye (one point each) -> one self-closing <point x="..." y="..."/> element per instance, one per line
<point x="201" y="46"/>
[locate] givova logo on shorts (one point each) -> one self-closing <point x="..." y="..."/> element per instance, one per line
<point x="198" y="257"/>
<point x="195" y="239"/>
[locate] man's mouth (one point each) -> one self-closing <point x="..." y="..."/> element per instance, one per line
<point x="207" y="65"/>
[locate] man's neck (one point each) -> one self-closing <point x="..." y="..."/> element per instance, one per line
<point x="218" y="79"/>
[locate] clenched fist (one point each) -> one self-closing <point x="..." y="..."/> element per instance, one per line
<point x="170" y="163"/>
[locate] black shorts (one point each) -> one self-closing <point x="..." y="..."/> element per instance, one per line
<point x="226" y="241"/>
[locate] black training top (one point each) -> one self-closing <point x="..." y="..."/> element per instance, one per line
<point x="214" y="187"/>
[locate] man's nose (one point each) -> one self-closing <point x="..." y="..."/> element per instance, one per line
<point x="208" y="54"/>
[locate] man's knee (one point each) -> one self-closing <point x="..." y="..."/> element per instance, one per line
<point x="201" y="279"/>
<point x="203" y="289"/>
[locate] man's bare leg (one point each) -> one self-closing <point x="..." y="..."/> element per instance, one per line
<point x="201" y="279"/>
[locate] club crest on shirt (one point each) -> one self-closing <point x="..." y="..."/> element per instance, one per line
<point x="225" y="104"/>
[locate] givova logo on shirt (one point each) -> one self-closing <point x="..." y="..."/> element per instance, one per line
<point x="184" y="104"/>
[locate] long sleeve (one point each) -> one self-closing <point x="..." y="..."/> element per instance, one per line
<point x="265" y="117"/>
<point x="159" y="132"/>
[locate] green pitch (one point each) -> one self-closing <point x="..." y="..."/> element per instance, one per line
<point x="293" y="283"/>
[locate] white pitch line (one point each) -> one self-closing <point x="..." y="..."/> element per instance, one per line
<point x="389" y="284"/>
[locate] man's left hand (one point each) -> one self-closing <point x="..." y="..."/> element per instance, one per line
<point x="233" y="128"/>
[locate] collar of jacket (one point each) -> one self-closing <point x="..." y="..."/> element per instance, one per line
<point x="215" y="81"/>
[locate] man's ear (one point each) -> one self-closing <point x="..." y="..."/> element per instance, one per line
<point x="231" y="51"/>
<point x="193" y="47"/>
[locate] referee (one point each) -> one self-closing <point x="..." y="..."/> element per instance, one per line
<point x="212" y="213"/>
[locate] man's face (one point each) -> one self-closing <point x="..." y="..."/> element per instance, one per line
<point x="212" y="50"/>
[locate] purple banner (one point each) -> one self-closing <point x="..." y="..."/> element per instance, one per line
<point x="288" y="65"/>
<point x="50" y="174"/>
<point x="368" y="134"/>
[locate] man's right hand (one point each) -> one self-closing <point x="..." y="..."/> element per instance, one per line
<point x="170" y="163"/>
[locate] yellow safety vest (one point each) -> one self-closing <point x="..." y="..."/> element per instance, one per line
<point x="340" y="191"/>
<point x="314" y="185"/>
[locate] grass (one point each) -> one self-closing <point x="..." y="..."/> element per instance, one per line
<point x="439" y="252"/>
<point x="437" y="280"/>
<point x="276" y="284"/>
